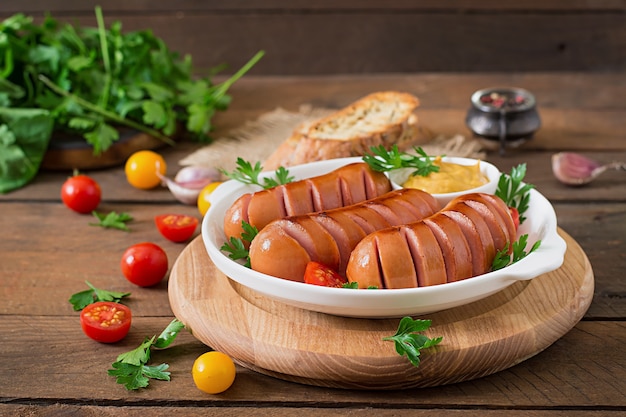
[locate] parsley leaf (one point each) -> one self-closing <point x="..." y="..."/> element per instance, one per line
<point x="138" y="376"/>
<point x="249" y="174"/>
<point x="511" y="190"/>
<point x="112" y="220"/>
<point x="237" y="248"/>
<point x="503" y="258"/>
<point x="384" y="160"/>
<point x="82" y="299"/>
<point x="407" y="340"/>
<point x="131" y="368"/>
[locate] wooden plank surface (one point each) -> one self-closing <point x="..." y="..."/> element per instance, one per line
<point x="47" y="252"/>
<point x="366" y="37"/>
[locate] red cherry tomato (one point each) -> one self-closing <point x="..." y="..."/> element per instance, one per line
<point x="320" y="274"/>
<point x="144" y="264"/>
<point x="81" y="193"/>
<point x="515" y="216"/>
<point x="176" y="227"/>
<point x="105" y="321"/>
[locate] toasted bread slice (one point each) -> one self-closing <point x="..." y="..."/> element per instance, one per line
<point x="384" y="118"/>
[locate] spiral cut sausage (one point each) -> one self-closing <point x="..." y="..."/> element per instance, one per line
<point x="285" y="246"/>
<point x="344" y="186"/>
<point x="456" y="243"/>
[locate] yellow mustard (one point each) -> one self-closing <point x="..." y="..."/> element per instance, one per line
<point x="450" y="178"/>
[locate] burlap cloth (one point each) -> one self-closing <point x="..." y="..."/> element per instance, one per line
<point x="257" y="139"/>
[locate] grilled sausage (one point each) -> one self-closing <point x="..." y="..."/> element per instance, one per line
<point x="344" y="186"/>
<point x="456" y="243"/>
<point x="285" y="246"/>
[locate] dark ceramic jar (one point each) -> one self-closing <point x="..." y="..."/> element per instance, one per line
<point x="506" y="115"/>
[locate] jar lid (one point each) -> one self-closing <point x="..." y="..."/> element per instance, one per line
<point x="503" y="99"/>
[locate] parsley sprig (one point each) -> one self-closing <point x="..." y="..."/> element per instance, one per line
<point x="95" y="79"/>
<point x="513" y="192"/>
<point x="132" y="369"/>
<point x="503" y="258"/>
<point x="236" y="247"/>
<point x="409" y="342"/>
<point x="383" y="160"/>
<point x="112" y="220"/>
<point x="249" y="174"/>
<point x="82" y="299"/>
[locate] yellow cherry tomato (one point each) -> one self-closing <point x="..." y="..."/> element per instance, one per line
<point x="213" y="372"/>
<point x="203" y="197"/>
<point x="142" y="167"/>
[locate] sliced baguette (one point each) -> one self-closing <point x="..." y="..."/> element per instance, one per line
<point x="384" y="118"/>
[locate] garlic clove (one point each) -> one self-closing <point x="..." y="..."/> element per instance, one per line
<point x="189" y="182"/>
<point x="575" y="169"/>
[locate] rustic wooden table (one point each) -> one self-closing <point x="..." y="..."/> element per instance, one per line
<point x="47" y="253"/>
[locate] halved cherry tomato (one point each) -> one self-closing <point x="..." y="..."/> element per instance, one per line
<point x="176" y="227"/>
<point x="81" y="193"/>
<point x="515" y="216"/>
<point x="213" y="372"/>
<point x="320" y="274"/>
<point x="144" y="264"/>
<point x="106" y="321"/>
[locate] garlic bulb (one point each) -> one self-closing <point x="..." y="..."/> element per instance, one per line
<point x="575" y="169"/>
<point x="189" y="181"/>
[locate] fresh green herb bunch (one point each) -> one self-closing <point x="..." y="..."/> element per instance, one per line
<point x="92" y="80"/>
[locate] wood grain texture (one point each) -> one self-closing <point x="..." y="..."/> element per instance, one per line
<point x="312" y="348"/>
<point x="352" y="37"/>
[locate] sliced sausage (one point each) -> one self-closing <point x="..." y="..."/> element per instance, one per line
<point x="347" y="185"/>
<point x="330" y="236"/>
<point x="454" y="244"/>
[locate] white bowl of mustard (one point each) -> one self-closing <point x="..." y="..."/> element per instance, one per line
<point x="456" y="176"/>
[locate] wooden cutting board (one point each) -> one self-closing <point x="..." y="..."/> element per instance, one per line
<point x="297" y="345"/>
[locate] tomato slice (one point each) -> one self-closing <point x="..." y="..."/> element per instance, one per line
<point x="105" y="321"/>
<point x="515" y="216"/>
<point x="176" y="227"/>
<point x="319" y="274"/>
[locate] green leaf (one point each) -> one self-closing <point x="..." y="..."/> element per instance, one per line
<point x="408" y="342"/>
<point x="24" y="138"/>
<point x="139" y="355"/>
<point x="82" y="299"/>
<point x="112" y="220"/>
<point x="384" y="160"/>
<point x="102" y="137"/>
<point x="154" y="114"/>
<point x="131" y="376"/>
<point x="131" y="368"/>
<point x="169" y="334"/>
<point x="503" y="258"/>
<point x="513" y="192"/>
<point x="157" y="371"/>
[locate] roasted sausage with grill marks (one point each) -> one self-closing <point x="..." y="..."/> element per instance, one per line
<point x="344" y="186"/>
